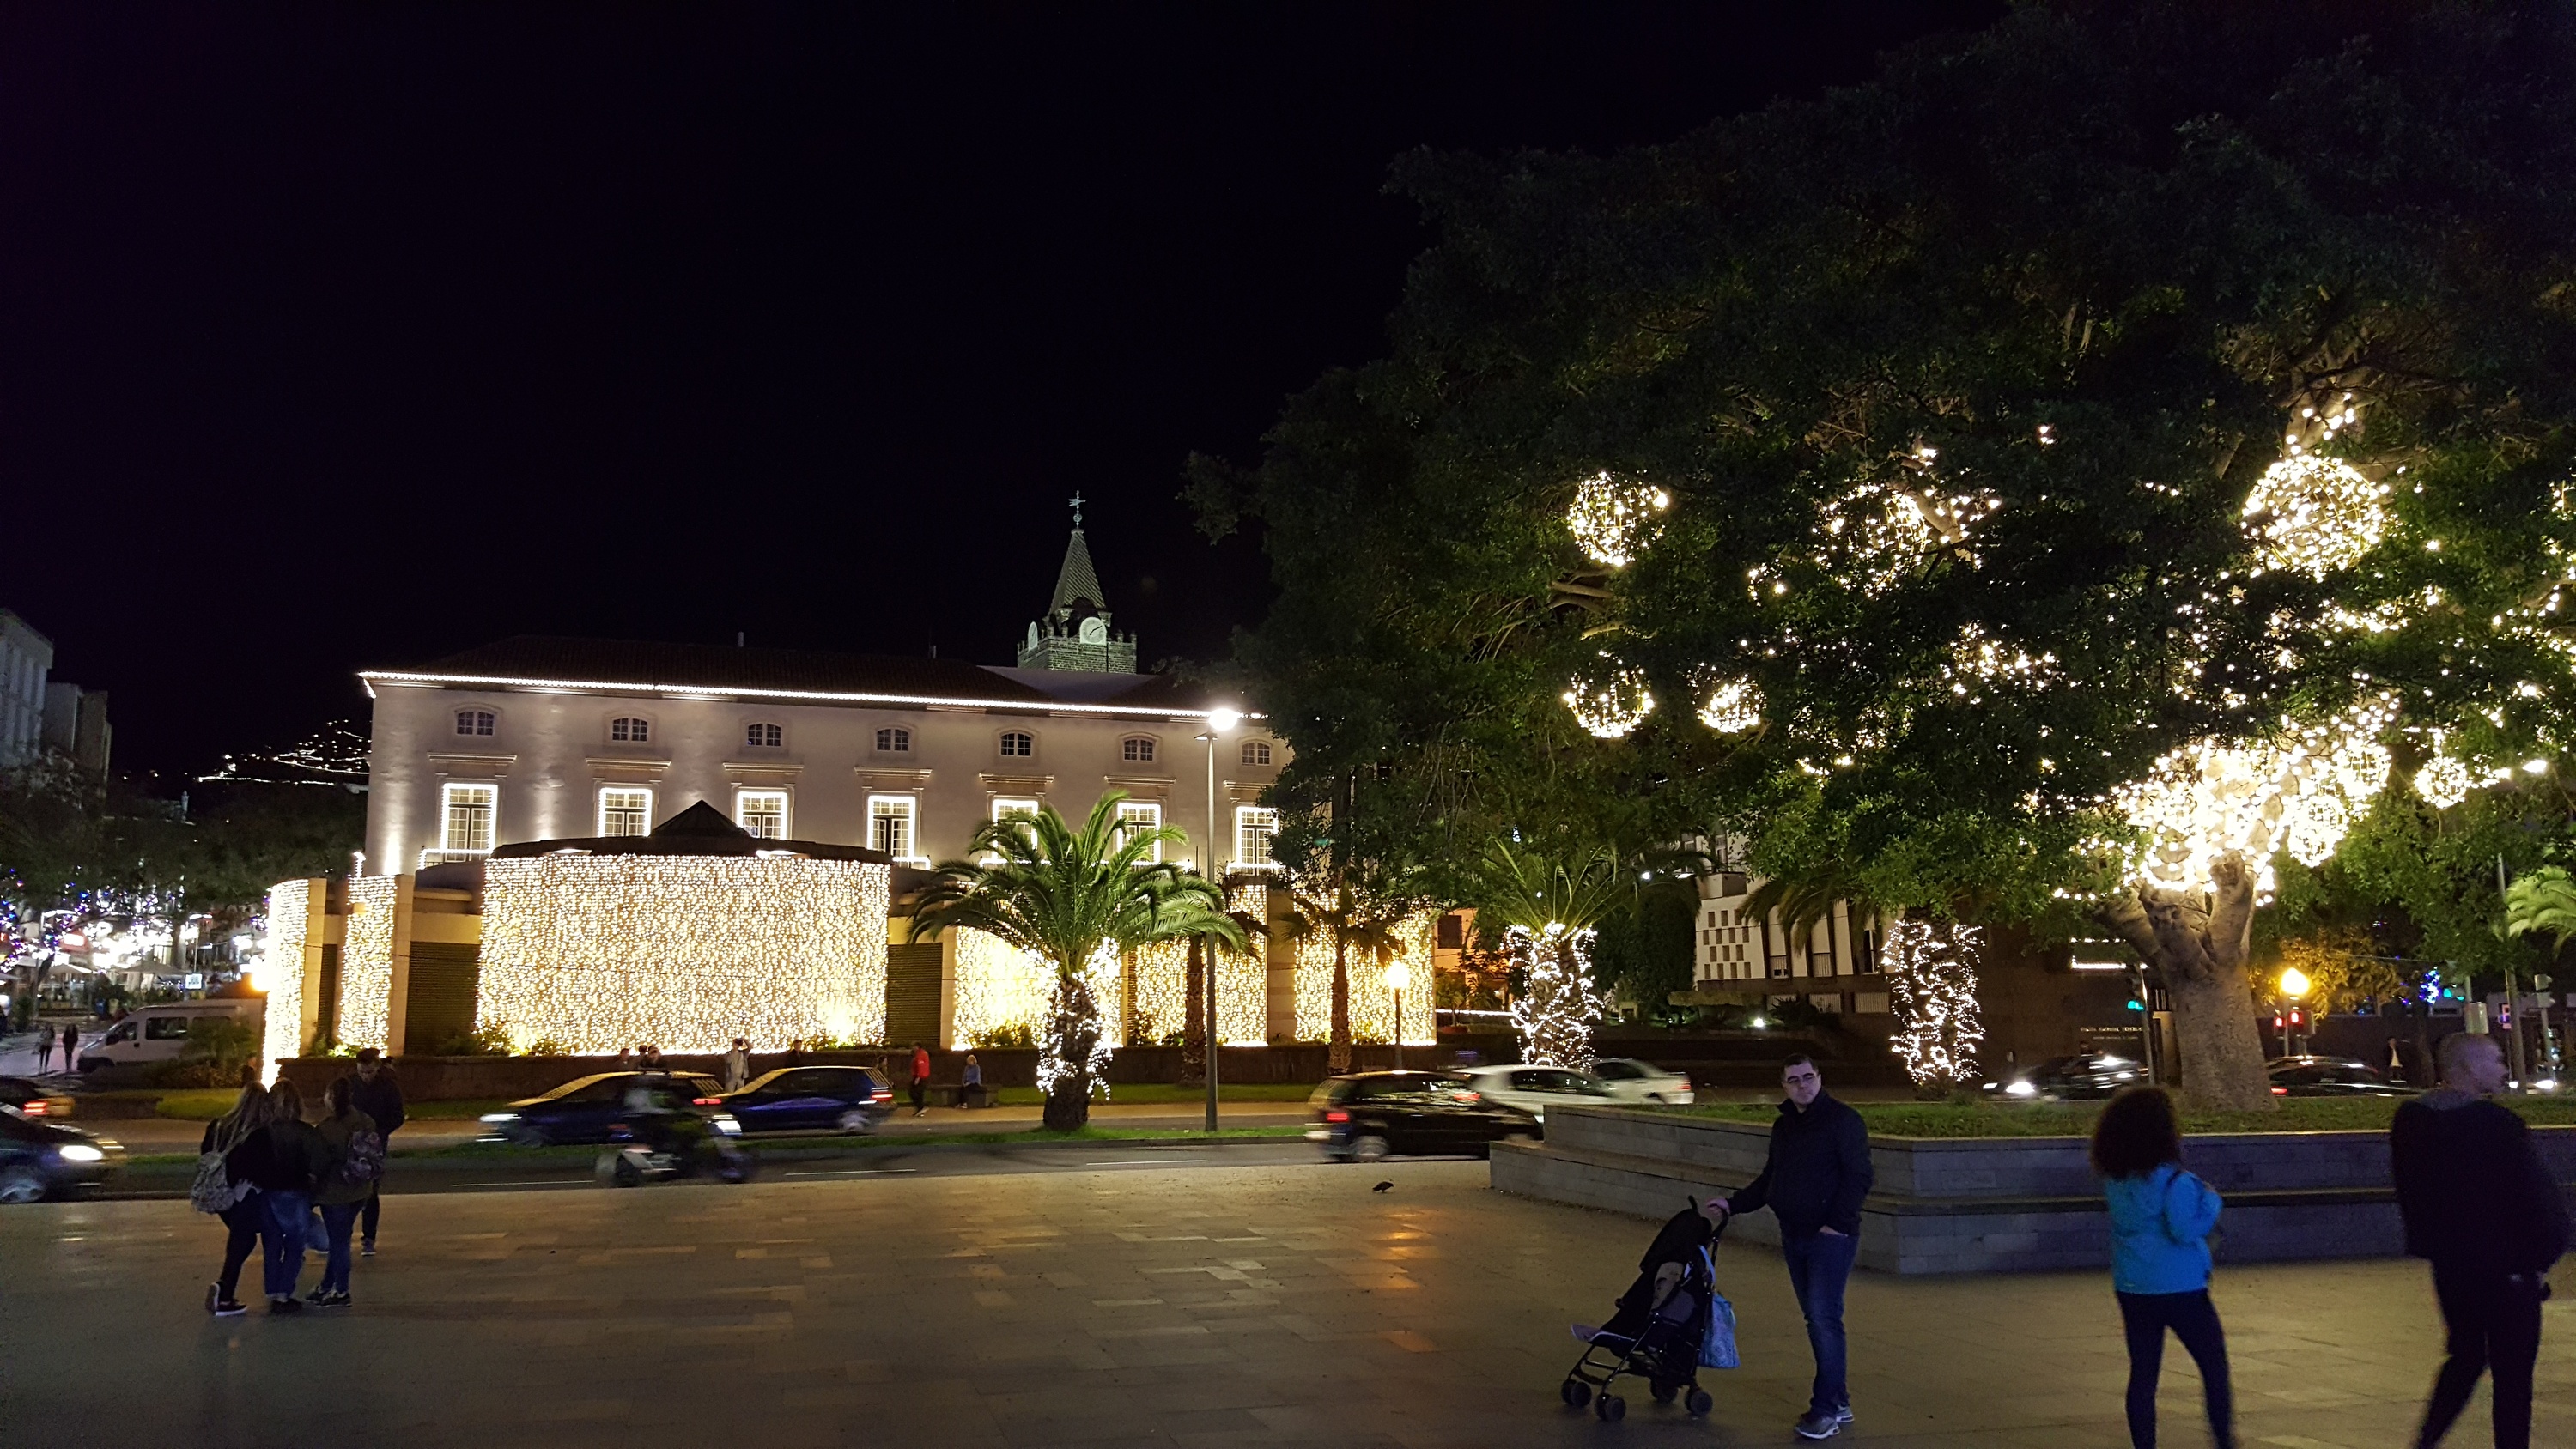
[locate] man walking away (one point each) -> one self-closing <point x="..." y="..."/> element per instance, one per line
<point x="2478" y="1204"/>
<point x="738" y="1065"/>
<point x="380" y="1097"/>
<point x="920" y="1079"/>
<point x="1813" y="1181"/>
<point x="71" y="1047"/>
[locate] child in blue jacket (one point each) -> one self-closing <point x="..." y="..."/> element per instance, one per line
<point x="2161" y="1218"/>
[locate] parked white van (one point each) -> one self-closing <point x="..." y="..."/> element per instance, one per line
<point x="160" y="1033"/>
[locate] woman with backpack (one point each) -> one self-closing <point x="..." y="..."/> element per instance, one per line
<point x="231" y="1152"/>
<point x="2161" y="1219"/>
<point x="357" y="1159"/>
<point x="295" y="1161"/>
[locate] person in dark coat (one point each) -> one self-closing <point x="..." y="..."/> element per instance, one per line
<point x="1814" y="1181"/>
<point x="380" y="1097"/>
<point x="295" y="1161"/>
<point x="241" y="1136"/>
<point x="71" y="1047"/>
<point x="2482" y="1209"/>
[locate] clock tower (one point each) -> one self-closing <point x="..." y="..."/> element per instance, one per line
<point x="1074" y="635"/>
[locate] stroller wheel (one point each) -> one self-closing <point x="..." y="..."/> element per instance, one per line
<point x="1611" y="1408"/>
<point x="1576" y="1393"/>
<point x="1699" y="1403"/>
<point x="1664" y="1393"/>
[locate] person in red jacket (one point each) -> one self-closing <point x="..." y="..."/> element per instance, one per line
<point x="920" y="1079"/>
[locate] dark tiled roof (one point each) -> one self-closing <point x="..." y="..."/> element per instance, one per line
<point x="714" y="667"/>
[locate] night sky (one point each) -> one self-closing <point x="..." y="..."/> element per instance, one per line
<point x="346" y="336"/>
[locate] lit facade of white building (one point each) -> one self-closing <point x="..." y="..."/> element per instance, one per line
<point x="25" y="658"/>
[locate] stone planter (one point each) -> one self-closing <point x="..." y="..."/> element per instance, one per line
<point x="1992" y="1204"/>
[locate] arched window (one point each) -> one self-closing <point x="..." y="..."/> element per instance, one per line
<point x="1256" y="752"/>
<point x="767" y="736"/>
<point x="1019" y="744"/>
<point x="629" y="730"/>
<point x="1137" y="748"/>
<point x="474" y="721"/>
<point x="894" y="740"/>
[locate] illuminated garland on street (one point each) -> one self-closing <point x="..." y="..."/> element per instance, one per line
<point x="1242" y="991"/>
<point x="1932" y="984"/>
<point x="1558" y="1003"/>
<point x="281" y="974"/>
<point x="367" y="965"/>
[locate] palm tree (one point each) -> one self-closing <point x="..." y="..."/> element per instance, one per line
<point x="1548" y="909"/>
<point x="1199" y="1031"/>
<point x="1079" y="899"/>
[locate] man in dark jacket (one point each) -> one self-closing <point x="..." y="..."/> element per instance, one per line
<point x="380" y="1097"/>
<point x="1813" y="1182"/>
<point x="2480" y="1206"/>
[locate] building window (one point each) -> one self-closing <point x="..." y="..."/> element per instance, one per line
<point x="470" y="808"/>
<point x="1253" y="827"/>
<point x="766" y="736"/>
<point x="761" y="813"/>
<point x="1135" y="819"/>
<point x="474" y="721"/>
<point x="894" y="740"/>
<point x="1019" y="744"/>
<point x="629" y="731"/>
<point x="890" y="825"/>
<point x="625" y="811"/>
<point x="1136" y="748"/>
<point x="1256" y="752"/>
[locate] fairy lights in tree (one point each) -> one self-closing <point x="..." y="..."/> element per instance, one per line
<point x="2314" y="515"/>
<point x="1558" y="1003"/>
<point x="1932" y="985"/>
<point x="1614" y="518"/>
<point x="2298" y="793"/>
<point x="1074" y="1040"/>
<point x="1613" y="704"/>
<point x="1732" y="707"/>
<point x="1974" y="657"/>
<point x="1877" y="534"/>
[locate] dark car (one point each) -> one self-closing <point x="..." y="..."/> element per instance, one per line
<point x="813" y="1099"/>
<point x="2314" y="1076"/>
<point x="39" y="1160"/>
<point x="583" y="1109"/>
<point x="33" y="1098"/>
<point x="2072" y="1078"/>
<point x="1373" y="1114"/>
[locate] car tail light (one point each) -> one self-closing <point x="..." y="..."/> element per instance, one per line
<point x="881" y="1095"/>
<point x="1686" y="1086"/>
<point x="706" y="1101"/>
<point x="1467" y="1096"/>
<point x="1337" y="1116"/>
<point x="2280" y="1091"/>
<point x="37" y="1108"/>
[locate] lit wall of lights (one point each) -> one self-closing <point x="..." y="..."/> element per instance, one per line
<point x="1242" y="992"/>
<point x="1372" y="1001"/>
<point x="999" y="985"/>
<point x="686" y="952"/>
<point x="290" y="906"/>
<point x="367" y="964"/>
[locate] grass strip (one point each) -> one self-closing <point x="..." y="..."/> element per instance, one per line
<point x="2075" y="1119"/>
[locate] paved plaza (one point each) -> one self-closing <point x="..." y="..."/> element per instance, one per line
<point x="1283" y="1305"/>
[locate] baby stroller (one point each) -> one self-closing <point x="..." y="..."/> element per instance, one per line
<point x="1670" y="1324"/>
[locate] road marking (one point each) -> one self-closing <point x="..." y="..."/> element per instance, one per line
<point x="1133" y="1162"/>
<point x="539" y="1182"/>
<point x="852" y="1171"/>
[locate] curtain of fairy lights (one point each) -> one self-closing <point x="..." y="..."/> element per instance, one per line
<point x="281" y="974"/>
<point x="999" y="986"/>
<point x="596" y="952"/>
<point x="1242" y="992"/>
<point x="367" y="964"/>
<point x="1372" y="1000"/>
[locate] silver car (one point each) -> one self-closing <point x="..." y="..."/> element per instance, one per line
<point x="1631" y="1080"/>
<point x="1535" y="1089"/>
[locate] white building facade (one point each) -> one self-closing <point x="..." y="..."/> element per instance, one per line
<point x="26" y="657"/>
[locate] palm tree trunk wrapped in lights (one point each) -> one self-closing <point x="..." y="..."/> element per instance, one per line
<point x="1079" y="899"/>
<point x="1932" y="983"/>
<point x="1548" y="909"/>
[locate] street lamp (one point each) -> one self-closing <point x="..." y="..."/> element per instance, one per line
<point x="2294" y="984"/>
<point x="1395" y="983"/>
<point x="1219" y="721"/>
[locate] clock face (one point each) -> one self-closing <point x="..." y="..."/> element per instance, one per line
<point x="1094" y="631"/>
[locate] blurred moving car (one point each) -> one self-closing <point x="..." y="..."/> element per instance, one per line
<point x="39" y="1160"/>
<point x="1631" y="1080"/>
<point x="1370" y="1115"/>
<point x="2080" y="1077"/>
<point x="583" y="1109"/>
<point x="2315" y="1076"/>
<point x="813" y="1099"/>
<point x="1535" y="1089"/>
<point x="33" y="1098"/>
<point x="159" y="1033"/>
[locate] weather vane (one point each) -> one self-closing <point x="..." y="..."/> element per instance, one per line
<point x="1076" y="501"/>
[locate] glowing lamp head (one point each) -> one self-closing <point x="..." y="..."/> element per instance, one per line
<point x="1221" y="720"/>
<point x="1395" y="976"/>
<point x="2294" y="982"/>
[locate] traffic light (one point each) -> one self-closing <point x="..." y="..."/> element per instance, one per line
<point x="2136" y="1005"/>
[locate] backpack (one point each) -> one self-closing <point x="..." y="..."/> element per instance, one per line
<point x="214" y="1191"/>
<point x="364" y="1160"/>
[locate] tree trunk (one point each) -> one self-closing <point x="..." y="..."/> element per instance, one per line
<point x="2197" y="945"/>
<point x="1338" y="1060"/>
<point x="1194" y="1033"/>
<point x="1073" y="1028"/>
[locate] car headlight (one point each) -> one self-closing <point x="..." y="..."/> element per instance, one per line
<point x="2021" y="1089"/>
<point x="727" y="1125"/>
<point x="500" y="1116"/>
<point x="79" y="1152"/>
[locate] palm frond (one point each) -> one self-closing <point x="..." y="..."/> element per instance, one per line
<point x="1523" y="887"/>
<point x="1061" y="893"/>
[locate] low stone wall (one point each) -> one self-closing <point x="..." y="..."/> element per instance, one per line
<point x="1981" y="1205"/>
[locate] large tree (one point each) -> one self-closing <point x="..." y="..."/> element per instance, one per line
<point x="2082" y="465"/>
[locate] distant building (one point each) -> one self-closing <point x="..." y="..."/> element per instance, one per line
<point x="1074" y="636"/>
<point x="76" y="726"/>
<point x="25" y="658"/>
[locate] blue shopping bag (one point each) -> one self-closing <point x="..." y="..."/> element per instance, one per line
<point x="1717" y="1351"/>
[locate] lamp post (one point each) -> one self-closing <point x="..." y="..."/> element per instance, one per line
<point x="1219" y="721"/>
<point x="2294" y="984"/>
<point x="1395" y="983"/>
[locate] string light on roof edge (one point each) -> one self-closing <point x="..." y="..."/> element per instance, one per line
<point x="1932" y="986"/>
<point x="1614" y="518"/>
<point x="1558" y="1003"/>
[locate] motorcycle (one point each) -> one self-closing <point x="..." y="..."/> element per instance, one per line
<point x="685" y="1145"/>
